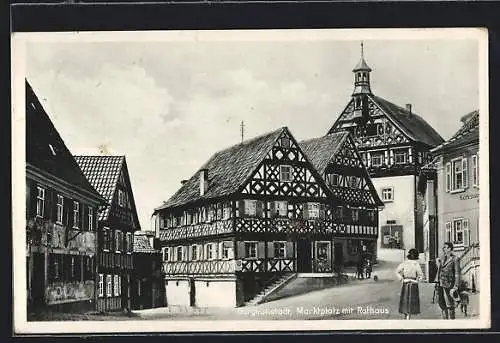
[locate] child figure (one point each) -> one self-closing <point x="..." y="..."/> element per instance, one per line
<point x="463" y="291"/>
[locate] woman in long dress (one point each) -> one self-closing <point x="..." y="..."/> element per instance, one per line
<point x="409" y="273"/>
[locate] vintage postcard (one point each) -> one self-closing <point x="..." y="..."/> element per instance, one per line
<point x="267" y="180"/>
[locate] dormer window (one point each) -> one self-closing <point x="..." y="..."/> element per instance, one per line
<point x="285" y="173"/>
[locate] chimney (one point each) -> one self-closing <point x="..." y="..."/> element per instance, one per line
<point x="408" y="108"/>
<point x="183" y="182"/>
<point x="203" y="181"/>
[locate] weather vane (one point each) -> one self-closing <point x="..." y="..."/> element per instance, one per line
<point x="242" y="129"/>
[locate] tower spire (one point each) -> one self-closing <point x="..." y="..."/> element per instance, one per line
<point x="362" y="75"/>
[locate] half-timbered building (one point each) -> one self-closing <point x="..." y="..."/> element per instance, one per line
<point x="61" y="213"/>
<point x="394" y="142"/>
<point x="117" y="222"/>
<point x="253" y="214"/>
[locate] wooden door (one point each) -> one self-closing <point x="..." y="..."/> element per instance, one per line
<point x="304" y="256"/>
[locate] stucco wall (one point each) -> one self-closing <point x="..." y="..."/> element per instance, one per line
<point x="177" y="292"/>
<point x="215" y="293"/>
<point x="401" y="209"/>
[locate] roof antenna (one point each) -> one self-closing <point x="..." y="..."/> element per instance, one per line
<point x="242" y="129"/>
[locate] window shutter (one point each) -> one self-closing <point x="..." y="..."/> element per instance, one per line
<point x="391" y="157"/>
<point x="47" y="210"/>
<point x="448" y="231"/>
<point x="241" y="250"/>
<point x="305" y="211"/>
<point x="33" y="195"/>
<point x="272" y="209"/>
<point x="261" y="246"/>
<point x="465" y="227"/>
<point x="289" y="250"/>
<point x="321" y="211"/>
<point x="270" y="249"/>
<point x="448" y="176"/>
<point x="259" y="207"/>
<point x="221" y="250"/>
<point x="465" y="172"/>
<point x="240" y="208"/>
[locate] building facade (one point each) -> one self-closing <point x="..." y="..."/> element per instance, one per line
<point x="394" y="143"/>
<point x="61" y="216"/>
<point x="117" y="222"/>
<point x="452" y="197"/>
<point x="148" y="283"/>
<point x="260" y="211"/>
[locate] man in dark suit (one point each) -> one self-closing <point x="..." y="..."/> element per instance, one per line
<point x="447" y="280"/>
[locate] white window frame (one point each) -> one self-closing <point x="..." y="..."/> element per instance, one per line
<point x="313" y="210"/>
<point x="226" y="212"/>
<point x="398" y="153"/>
<point x="101" y="285"/>
<point x="76" y="214"/>
<point x="91" y="218"/>
<point x="281" y="208"/>
<point x="121" y="198"/>
<point x="166" y="254"/>
<point x="281" y="248"/>
<point x="225" y="251"/>
<point x="118" y="241"/>
<point x="387" y="194"/>
<point x="458" y="228"/>
<point x="60" y="209"/>
<point x="109" y="286"/>
<point x="373" y="157"/>
<point x="181" y="249"/>
<point x="116" y="285"/>
<point x="194" y="253"/>
<point x="250" y="207"/>
<point x="254" y="246"/>
<point x="461" y="171"/>
<point x="210" y="251"/>
<point x="40" y="202"/>
<point x="286" y="173"/>
<point x="475" y="170"/>
<point x="466" y="232"/>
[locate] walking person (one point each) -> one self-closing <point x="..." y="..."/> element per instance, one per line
<point x="447" y="280"/>
<point x="409" y="273"/>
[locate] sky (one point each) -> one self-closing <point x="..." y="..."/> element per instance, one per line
<point x="169" y="105"/>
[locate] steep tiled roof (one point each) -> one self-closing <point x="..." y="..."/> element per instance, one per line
<point x="141" y="244"/>
<point x="46" y="150"/>
<point x="227" y="170"/>
<point x="412" y="124"/>
<point x="103" y="173"/>
<point x="320" y="150"/>
<point x="468" y="133"/>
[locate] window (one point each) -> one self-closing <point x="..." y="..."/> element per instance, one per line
<point x="165" y="253"/>
<point x="194" y="252"/>
<point x="285" y="173"/>
<point x="371" y="215"/>
<point x="130" y="242"/>
<point x="279" y="249"/>
<point x="108" y="286"/>
<point x="457" y="232"/>
<point x="60" y="209"/>
<point x="285" y="142"/>
<point x="117" y="285"/>
<point x="250" y="207"/>
<point x="106" y="237"/>
<point x="118" y="241"/>
<point x="313" y="210"/>
<point x="179" y="254"/>
<point x="475" y="171"/>
<point x="388" y="194"/>
<point x="40" y="202"/>
<point x="91" y="218"/>
<point x="226" y="212"/>
<point x="334" y="179"/>
<point x="210" y="251"/>
<point x="251" y="249"/>
<point x="76" y="214"/>
<point x="225" y="248"/>
<point x="219" y="211"/>
<point x="101" y="285"/>
<point x="211" y="213"/>
<point x="400" y="157"/>
<point x="459" y="176"/>
<point x="354" y="182"/>
<point x="377" y="159"/>
<point x="281" y="208"/>
<point x="355" y="214"/>
<point x="121" y="198"/>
